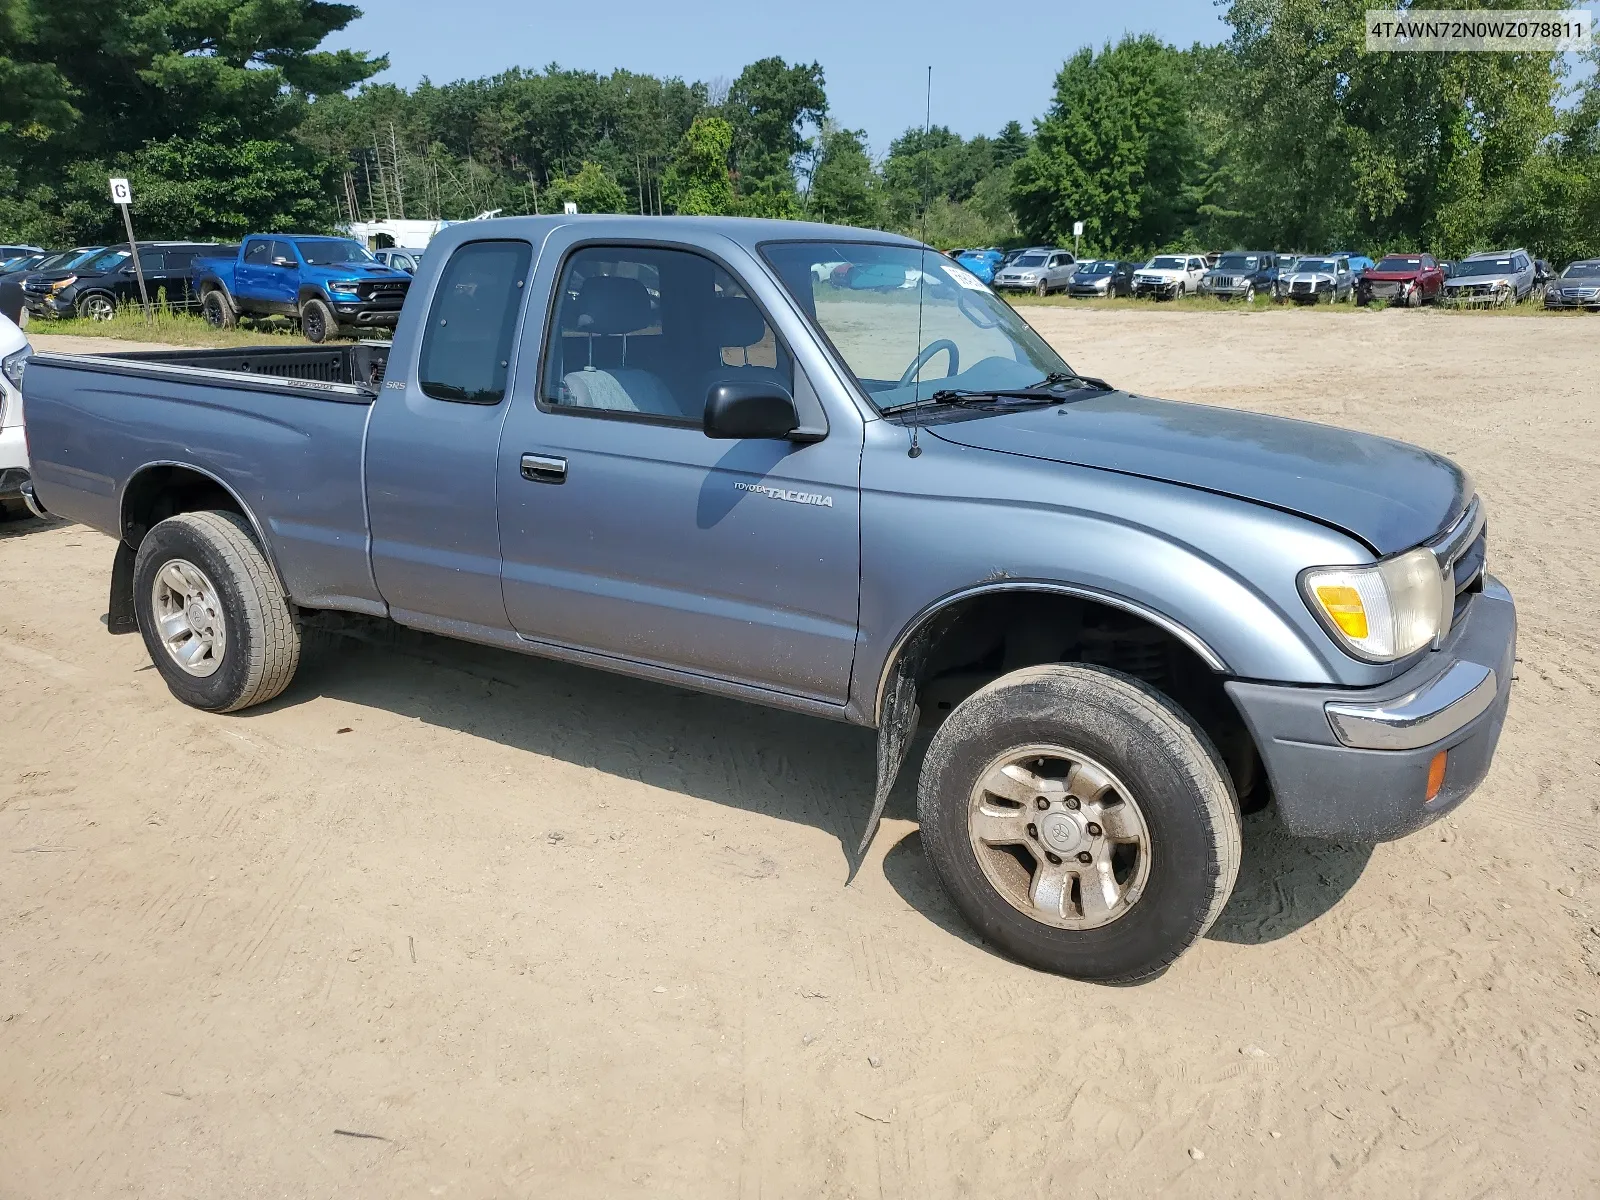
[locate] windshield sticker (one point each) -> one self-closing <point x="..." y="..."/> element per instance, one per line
<point x="965" y="279"/>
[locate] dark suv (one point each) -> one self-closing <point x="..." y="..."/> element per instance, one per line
<point x="96" y="286"/>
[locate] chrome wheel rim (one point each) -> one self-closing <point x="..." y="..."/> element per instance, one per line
<point x="1059" y="836"/>
<point x="188" y="617"/>
<point x="98" y="308"/>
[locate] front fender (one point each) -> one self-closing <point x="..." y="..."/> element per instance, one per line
<point x="1218" y="573"/>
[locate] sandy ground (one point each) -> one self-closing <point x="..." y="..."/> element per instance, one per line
<point x="545" y="932"/>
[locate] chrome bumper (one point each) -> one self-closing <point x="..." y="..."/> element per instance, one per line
<point x="32" y="501"/>
<point x="1427" y="715"/>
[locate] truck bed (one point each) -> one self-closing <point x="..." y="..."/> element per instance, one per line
<point x="281" y="428"/>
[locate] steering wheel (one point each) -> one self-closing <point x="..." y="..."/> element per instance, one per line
<point x="928" y="351"/>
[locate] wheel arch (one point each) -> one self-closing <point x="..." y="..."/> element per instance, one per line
<point x="165" y="487"/>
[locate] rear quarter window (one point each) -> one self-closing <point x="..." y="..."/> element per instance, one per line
<point x="467" y="343"/>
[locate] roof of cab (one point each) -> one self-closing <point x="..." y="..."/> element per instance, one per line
<point x="748" y="232"/>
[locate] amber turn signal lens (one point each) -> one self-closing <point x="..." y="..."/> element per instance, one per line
<point x="1435" y="775"/>
<point x="1343" y="605"/>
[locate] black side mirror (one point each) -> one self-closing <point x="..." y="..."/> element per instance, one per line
<point x="750" y="410"/>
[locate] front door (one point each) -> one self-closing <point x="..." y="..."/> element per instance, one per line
<point x="626" y="531"/>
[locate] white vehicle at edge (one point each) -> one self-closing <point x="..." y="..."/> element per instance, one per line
<point x="1167" y="276"/>
<point x="14" y="351"/>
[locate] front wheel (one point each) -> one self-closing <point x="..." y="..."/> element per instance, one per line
<point x="1041" y="288"/>
<point x="316" y="321"/>
<point x="1249" y="293"/>
<point x="97" y="308"/>
<point x="1080" y="822"/>
<point x="214" y="619"/>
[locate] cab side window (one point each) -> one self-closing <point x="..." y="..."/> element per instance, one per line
<point x="467" y="343"/>
<point x="258" y="253"/>
<point x="283" y="253"/>
<point x="646" y="332"/>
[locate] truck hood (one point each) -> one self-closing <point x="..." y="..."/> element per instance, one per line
<point x="1373" y="275"/>
<point x="1388" y="494"/>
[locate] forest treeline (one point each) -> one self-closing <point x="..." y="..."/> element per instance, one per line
<point x="228" y="117"/>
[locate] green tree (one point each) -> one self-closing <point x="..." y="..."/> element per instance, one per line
<point x="844" y="187"/>
<point x="101" y="82"/>
<point x="768" y="106"/>
<point x="1116" y="150"/>
<point x="592" y="188"/>
<point x="697" y="184"/>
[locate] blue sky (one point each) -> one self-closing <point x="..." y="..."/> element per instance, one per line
<point x="875" y="52"/>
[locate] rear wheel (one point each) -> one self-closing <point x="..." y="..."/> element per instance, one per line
<point x="1080" y="822"/>
<point x="217" y="309"/>
<point x="214" y="620"/>
<point x="316" y="321"/>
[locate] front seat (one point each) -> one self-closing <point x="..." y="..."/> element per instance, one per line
<point x="613" y="306"/>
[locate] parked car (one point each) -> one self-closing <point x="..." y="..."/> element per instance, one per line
<point x="330" y="285"/>
<point x="1241" y="274"/>
<point x="9" y="250"/>
<point x="982" y="263"/>
<point x="1408" y="279"/>
<point x="1576" y="287"/>
<point x="21" y="264"/>
<point x="1315" y="279"/>
<point x="14" y="353"/>
<point x="1102" y="277"/>
<point x="1040" y="270"/>
<point x="1170" y="276"/>
<point x="97" y="286"/>
<point x="399" y="258"/>
<point x="1491" y="279"/>
<point x="1359" y="263"/>
<point x="1127" y="618"/>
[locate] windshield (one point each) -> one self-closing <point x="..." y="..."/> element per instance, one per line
<point x="1316" y="264"/>
<point x="106" y="260"/>
<point x="1484" y="266"/>
<point x="1238" y="262"/>
<point x="909" y="323"/>
<point x="1167" y="262"/>
<point x="323" y="252"/>
<point x="1096" y="268"/>
<point x="1400" y="264"/>
<point x="1582" y="270"/>
<point x="1029" y="260"/>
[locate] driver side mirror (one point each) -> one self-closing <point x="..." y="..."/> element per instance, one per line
<point x="283" y="262"/>
<point x="750" y="410"/>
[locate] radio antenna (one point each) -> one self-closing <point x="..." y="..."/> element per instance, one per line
<point x="922" y="265"/>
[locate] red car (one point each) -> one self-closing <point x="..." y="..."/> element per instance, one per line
<point x="1409" y="279"/>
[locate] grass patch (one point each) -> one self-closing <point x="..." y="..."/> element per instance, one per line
<point x="169" y="327"/>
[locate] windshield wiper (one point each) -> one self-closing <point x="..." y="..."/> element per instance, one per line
<point x="1046" y="391"/>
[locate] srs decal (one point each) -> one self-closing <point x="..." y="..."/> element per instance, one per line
<point x="814" y="498"/>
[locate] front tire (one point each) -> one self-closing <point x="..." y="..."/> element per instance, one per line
<point x="217" y="310"/>
<point x="97" y="308"/>
<point x="316" y="321"/>
<point x="1041" y="289"/>
<point x="1080" y="822"/>
<point x="214" y="620"/>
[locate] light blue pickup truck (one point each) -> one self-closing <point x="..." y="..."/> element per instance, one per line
<point x="690" y="450"/>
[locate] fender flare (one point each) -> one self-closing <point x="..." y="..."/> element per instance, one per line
<point x="121" y="600"/>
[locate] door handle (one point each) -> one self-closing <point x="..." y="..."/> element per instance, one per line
<point x="544" y="468"/>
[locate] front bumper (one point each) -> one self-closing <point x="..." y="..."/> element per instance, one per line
<point x="360" y="312"/>
<point x="1155" y="287"/>
<point x="1353" y="764"/>
<point x="52" y="304"/>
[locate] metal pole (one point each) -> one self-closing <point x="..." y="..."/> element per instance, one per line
<point x="133" y="249"/>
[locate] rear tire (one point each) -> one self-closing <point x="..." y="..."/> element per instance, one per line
<point x="1039" y="728"/>
<point x="316" y="321"/>
<point x="220" y="608"/>
<point x="218" y="310"/>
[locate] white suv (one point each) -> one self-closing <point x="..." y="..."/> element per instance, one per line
<point x="14" y="350"/>
<point x="1168" y="276"/>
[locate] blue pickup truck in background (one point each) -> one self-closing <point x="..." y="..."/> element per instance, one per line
<point x="329" y="285"/>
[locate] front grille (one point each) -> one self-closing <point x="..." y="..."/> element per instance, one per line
<point x="1302" y="286"/>
<point x="1384" y="291"/>
<point x="389" y="292"/>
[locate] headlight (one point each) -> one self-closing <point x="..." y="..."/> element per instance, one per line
<point x="63" y="284"/>
<point x="343" y="288"/>
<point x="1383" y="611"/>
<point x="11" y="366"/>
<point x="1029" y="276"/>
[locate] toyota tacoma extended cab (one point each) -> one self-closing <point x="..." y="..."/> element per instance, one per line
<point x="668" y="447"/>
<point x="329" y="285"/>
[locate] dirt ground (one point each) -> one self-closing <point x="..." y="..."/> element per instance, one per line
<point x="442" y="922"/>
